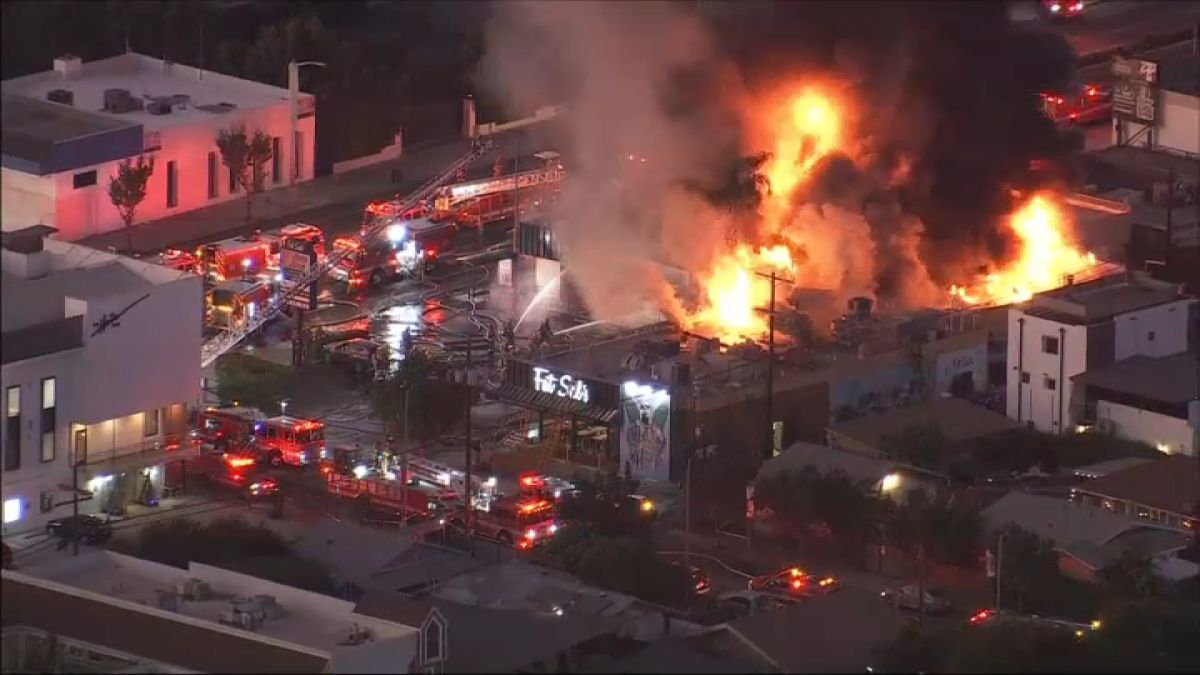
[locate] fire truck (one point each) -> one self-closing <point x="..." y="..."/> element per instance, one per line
<point x="540" y="486"/>
<point x="519" y="522"/>
<point x="229" y="303"/>
<point x="310" y="234"/>
<point x="224" y="428"/>
<point x="372" y="494"/>
<point x="235" y="258"/>
<point x="376" y="261"/>
<point x="429" y="472"/>
<point x="287" y="440"/>
<point x="235" y="472"/>
<point x="178" y="260"/>
<point x="1084" y="104"/>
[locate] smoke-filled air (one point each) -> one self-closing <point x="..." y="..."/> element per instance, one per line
<point x="843" y="146"/>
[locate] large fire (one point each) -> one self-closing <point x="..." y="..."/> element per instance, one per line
<point x="1045" y="257"/>
<point x="807" y="127"/>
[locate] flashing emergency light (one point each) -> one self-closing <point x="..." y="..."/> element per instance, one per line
<point x="360" y="471"/>
<point x="396" y="233"/>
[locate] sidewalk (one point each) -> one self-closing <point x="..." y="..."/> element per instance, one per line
<point x="338" y="197"/>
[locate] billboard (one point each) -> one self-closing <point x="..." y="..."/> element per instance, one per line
<point x="645" y="431"/>
<point x="1135" y="91"/>
<point x="296" y="258"/>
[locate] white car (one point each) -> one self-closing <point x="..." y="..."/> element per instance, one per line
<point x="908" y="597"/>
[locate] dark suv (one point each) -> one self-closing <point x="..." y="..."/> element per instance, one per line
<point x="82" y="528"/>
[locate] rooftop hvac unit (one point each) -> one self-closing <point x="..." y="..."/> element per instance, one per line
<point x="269" y="607"/>
<point x="195" y="589"/>
<point x="63" y="96"/>
<point x="159" y="108"/>
<point x="169" y="601"/>
<point x="117" y="100"/>
<point x="239" y="619"/>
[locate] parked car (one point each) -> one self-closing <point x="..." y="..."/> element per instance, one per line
<point x="909" y="598"/>
<point x="701" y="582"/>
<point x="85" y="529"/>
<point x="794" y="581"/>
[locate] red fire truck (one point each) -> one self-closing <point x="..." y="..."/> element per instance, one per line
<point x="224" y="428"/>
<point x="372" y="494"/>
<point x="310" y="234"/>
<point x="231" y="302"/>
<point x="519" y="522"/>
<point x="287" y="440"/>
<point x="235" y="258"/>
<point x="178" y="260"/>
<point x="541" y="486"/>
<point x="1084" y="104"/>
<point x="375" y="262"/>
<point x="442" y="476"/>
<point x="235" y="472"/>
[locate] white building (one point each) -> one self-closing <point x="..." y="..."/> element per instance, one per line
<point x="1178" y="128"/>
<point x="66" y="131"/>
<point x="101" y="357"/>
<point x="1061" y="333"/>
<point x="1152" y="400"/>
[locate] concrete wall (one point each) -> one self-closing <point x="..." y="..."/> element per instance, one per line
<point x="391" y="152"/>
<point x="946" y="367"/>
<point x="1156" y="331"/>
<point x="87" y="211"/>
<point x="1033" y="401"/>
<point x="26" y="200"/>
<point x="1168" y="434"/>
<point x="542" y="115"/>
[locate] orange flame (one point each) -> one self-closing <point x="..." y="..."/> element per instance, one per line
<point x="1043" y="262"/>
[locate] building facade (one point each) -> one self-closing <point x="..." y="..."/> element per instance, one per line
<point x="101" y="359"/>
<point x="67" y="130"/>
<point x="1058" y="335"/>
<point x="1178" y="127"/>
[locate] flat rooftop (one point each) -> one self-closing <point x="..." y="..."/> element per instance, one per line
<point x="308" y="620"/>
<point x="959" y="420"/>
<point x="1181" y="75"/>
<point x="1101" y="299"/>
<point x="1171" y="379"/>
<point x="203" y="95"/>
<point x="29" y="121"/>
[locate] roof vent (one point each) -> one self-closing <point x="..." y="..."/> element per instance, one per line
<point x="120" y="101"/>
<point x="62" y="96"/>
<point x="70" y="66"/>
<point x="159" y="108"/>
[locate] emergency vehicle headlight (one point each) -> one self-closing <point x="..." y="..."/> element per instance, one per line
<point x="396" y="233"/>
<point x="491" y="482"/>
<point x="390" y="475"/>
<point x="553" y="528"/>
<point x="360" y="471"/>
<point x="532" y="534"/>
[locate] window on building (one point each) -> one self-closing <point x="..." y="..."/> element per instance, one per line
<point x="150" y="422"/>
<point x="276" y="160"/>
<point x="213" y="163"/>
<point x="12" y="510"/>
<point x="84" y="179"/>
<point x="233" y="186"/>
<point x="1024" y="377"/>
<point x="1049" y="344"/>
<point x="298" y="155"/>
<point x="433" y="641"/>
<point x="46" y="501"/>
<point x="1150" y="336"/>
<point x="776" y="438"/>
<point x="49" y="421"/>
<point x="12" y="428"/>
<point x="1050" y="383"/>
<point x="172" y="185"/>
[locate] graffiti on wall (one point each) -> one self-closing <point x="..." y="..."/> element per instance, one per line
<point x="646" y="432"/>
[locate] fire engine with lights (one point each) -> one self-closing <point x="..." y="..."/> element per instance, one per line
<point x="176" y="259"/>
<point x="1063" y="9"/>
<point x="233" y="301"/>
<point x="1084" y="104"/>
<point x="245" y="256"/>
<point x="376" y="260"/>
<point x="287" y="440"/>
<point x="374" y="492"/>
<point x="309" y="234"/>
<point x="221" y="429"/>
<point x="513" y="521"/>
<point x="236" y="472"/>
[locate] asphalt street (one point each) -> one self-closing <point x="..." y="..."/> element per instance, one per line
<point x="1111" y="25"/>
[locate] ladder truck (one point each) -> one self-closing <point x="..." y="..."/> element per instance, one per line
<point x="211" y="350"/>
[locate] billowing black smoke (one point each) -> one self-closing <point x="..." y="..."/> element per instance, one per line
<point x="951" y="86"/>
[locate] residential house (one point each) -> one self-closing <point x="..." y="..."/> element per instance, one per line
<point x="1088" y="538"/>
<point x="960" y="422"/>
<point x="101" y="358"/>
<point x="1165" y="491"/>
<point x="66" y="131"/>
<point x="1154" y="400"/>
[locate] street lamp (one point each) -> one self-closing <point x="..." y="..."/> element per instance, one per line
<point x="999" y="564"/>
<point x="294" y="101"/>
<point x="687" y="510"/>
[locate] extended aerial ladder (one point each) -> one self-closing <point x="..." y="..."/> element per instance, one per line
<point x="451" y="196"/>
<point x="214" y="348"/>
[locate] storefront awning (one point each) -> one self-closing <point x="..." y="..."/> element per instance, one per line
<point x="537" y="400"/>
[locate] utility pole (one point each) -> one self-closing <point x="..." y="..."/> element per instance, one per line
<point x="404" y="455"/>
<point x="769" y="448"/>
<point x="921" y="584"/>
<point x="1170" y="271"/>
<point x="999" y="566"/>
<point x="470" y="507"/>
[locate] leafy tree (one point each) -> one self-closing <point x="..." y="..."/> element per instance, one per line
<point x="804" y="501"/>
<point x="1016" y="647"/>
<point x="245" y="154"/>
<point x="604" y="506"/>
<point x="1148" y="636"/>
<point x="1028" y="567"/>
<point x="632" y="566"/>
<point x="1132" y="575"/>
<point x="915" y="650"/>
<point x="922" y="445"/>
<point x="127" y="190"/>
<point x="435" y="402"/>
<point x="949" y="534"/>
<point x="251" y="381"/>
<point x="287" y="569"/>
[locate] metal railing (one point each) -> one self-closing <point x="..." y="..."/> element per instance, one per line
<point x="167" y="444"/>
<point x="214" y="348"/>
